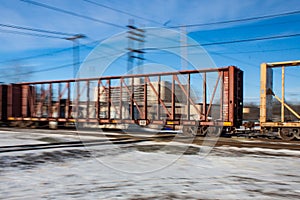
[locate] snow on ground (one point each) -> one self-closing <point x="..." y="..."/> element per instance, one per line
<point x="150" y="170"/>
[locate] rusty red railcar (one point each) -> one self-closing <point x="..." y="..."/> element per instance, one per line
<point x="233" y="96"/>
<point x="3" y="103"/>
<point x="14" y="100"/>
<point x="162" y="99"/>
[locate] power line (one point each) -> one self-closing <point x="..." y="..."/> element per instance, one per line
<point x="206" y="44"/>
<point x="117" y="10"/>
<point x="121" y="11"/>
<point x="57" y="67"/>
<point x="101" y="21"/>
<point x="36" y="56"/>
<point x="257" y="51"/>
<point x="65" y="65"/>
<point x="239" y="20"/>
<point x="243" y="52"/>
<point x="254" y="39"/>
<point x="47" y="54"/>
<point x="31" y="34"/>
<point x="61" y="66"/>
<point x="229" y="42"/>
<point x="72" y="13"/>
<point x="42" y="70"/>
<point x="35" y="29"/>
<point x="277" y="24"/>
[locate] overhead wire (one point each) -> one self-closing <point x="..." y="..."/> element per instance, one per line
<point x="49" y="53"/>
<point x="169" y="47"/>
<point x="123" y="27"/>
<point x="239" y="20"/>
<point x="127" y="13"/>
<point x="31" y="34"/>
<point x="121" y="11"/>
<point x="244" y="52"/>
<point x="36" y="56"/>
<point x="35" y="29"/>
<point x="245" y="40"/>
<point x="229" y="21"/>
<point x="72" y="13"/>
<point x="57" y="67"/>
<point x="41" y="70"/>
<point x="204" y="24"/>
<point x="258" y="51"/>
<point x="229" y="42"/>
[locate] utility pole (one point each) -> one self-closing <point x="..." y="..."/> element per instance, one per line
<point x="76" y="60"/>
<point x="183" y="49"/>
<point x="76" y="51"/>
<point x="136" y="39"/>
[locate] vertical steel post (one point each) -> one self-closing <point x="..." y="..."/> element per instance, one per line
<point x="58" y="100"/>
<point x="131" y="99"/>
<point x="263" y="93"/>
<point x="50" y="101"/>
<point x="77" y="98"/>
<point x="145" y="100"/>
<point x="10" y="101"/>
<point x="121" y="98"/>
<point x="232" y="92"/>
<point x="33" y="101"/>
<point x="24" y="97"/>
<point x="88" y="100"/>
<point x="204" y="96"/>
<point x="68" y="103"/>
<point x="188" y="97"/>
<point x="222" y="96"/>
<point x="158" y="97"/>
<point x="41" y="101"/>
<point x="282" y="93"/>
<point x="109" y="99"/>
<point x="98" y="99"/>
<point x="173" y="98"/>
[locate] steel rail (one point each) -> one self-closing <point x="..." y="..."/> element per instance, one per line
<point x="30" y="147"/>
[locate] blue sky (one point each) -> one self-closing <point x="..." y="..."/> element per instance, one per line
<point x="246" y="55"/>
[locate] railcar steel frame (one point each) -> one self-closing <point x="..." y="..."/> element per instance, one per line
<point x="287" y="130"/>
<point x="51" y="101"/>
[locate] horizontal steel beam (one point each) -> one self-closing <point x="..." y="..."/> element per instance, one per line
<point x="128" y="76"/>
<point x="283" y="64"/>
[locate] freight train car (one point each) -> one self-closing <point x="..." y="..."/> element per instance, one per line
<point x="288" y="124"/>
<point x="157" y="100"/>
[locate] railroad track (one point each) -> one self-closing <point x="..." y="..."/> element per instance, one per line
<point x="112" y="138"/>
<point x="30" y="147"/>
<point x="252" y="143"/>
<point x="108" y="140"/>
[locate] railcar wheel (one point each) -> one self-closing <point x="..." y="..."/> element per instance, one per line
<point x="286" y="134"/>
<point x="190" y="130"/>
<point x="202" y="131"/>
<point x="213" y="131"/>
<point x="297" y="133"/>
